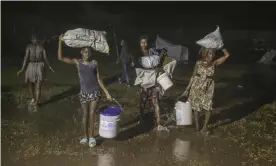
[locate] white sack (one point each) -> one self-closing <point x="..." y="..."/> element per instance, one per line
<point x="150" y="61"/>
<point x="78" y="38"/>
<point x="145" y="78"/>
<point x="212" y="40"/>
<point x="169" y="68"/>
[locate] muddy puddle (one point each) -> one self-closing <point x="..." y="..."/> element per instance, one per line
<point x="49" y="136"/>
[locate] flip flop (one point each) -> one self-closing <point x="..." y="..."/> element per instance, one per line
<point x="92" y="142"/>
<point x="83" y="141"/>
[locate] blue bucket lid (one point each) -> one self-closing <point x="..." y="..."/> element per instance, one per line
<point x="111" y="111"/>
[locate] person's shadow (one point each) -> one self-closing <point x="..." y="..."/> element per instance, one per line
<point x="138" y="129"/>
<point x="256" y="93"/>
<point x="72" y="91"/>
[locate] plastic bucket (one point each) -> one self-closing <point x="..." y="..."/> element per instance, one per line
<point x="109" y="119"/>
<point x="183" y="113"/>
<point x="165" y="81"/>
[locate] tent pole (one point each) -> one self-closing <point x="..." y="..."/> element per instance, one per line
<point x="115" y="39"/>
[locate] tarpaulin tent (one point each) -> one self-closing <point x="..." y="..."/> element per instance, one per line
<point x="177" y="52"/>
<point x="267" y="58"/>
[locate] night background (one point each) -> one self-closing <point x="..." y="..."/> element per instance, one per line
<point x="179" y="22"/>
<point x="242" y="122"/>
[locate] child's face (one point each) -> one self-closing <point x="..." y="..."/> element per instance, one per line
<point x="86" y="54"/>
<point x="34" y="39"/>
<point x="144" y="43"/>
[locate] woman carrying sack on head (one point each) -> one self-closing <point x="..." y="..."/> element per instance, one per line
<point x="200" y="90"/>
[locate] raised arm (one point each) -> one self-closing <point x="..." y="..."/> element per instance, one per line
<point x="60" y="54"/>
<point x="101" y="82"/>
<point x="185" y="93"/>
<point x="221" y="60"/>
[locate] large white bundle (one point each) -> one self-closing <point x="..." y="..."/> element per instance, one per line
<point x="145" y="78"/>
<point x="212" y="40"/>
<point x="150" y="61"/>
<point x="80" y="37"/>
<point x="169" y="68"/>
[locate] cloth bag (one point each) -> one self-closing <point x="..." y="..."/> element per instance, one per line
<point x="80" y="37"/>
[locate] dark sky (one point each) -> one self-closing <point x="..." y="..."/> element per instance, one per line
<point x="236" y="15"/>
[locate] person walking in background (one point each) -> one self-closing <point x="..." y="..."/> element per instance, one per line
<point x="125" y="59"/>
<point x="35" y="59"/>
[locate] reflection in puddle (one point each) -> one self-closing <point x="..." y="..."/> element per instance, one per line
<point x="32" y="109"/>
<point x="105" y="160"/>
<point x="53" y="124"/>
<point x="181" y="150"/>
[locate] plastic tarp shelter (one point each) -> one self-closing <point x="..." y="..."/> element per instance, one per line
<point x="267" y="58"/>
<point x="178" y="52"/>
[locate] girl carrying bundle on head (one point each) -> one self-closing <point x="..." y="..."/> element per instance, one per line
<point x="90" y="84"/>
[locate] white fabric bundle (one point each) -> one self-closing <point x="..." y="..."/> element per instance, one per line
<point x="80" y="37"/>
<point x="212" y="40"/>
<point x="150" y="61"/>
<point x="145" y="78"/>
<point x="169" y="68"/>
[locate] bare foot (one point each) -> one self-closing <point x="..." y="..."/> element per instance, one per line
<point x="162" y="128"/>
<point x="205" y="131"/>
<point x="32" y="100"/>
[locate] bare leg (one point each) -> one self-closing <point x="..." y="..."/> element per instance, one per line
<point x="31" y="89"/>
<point x="142" y="106"/>
<point x="196" y="120"/>
<point x="142" y="109"/>
<point x="126" y="73"/>
<point x="85" y="110"/>
<point x="155" y="103"/>
<point x="92" y="110"/>
<point x="38" y="92"/>
<point x="207" y="118"/>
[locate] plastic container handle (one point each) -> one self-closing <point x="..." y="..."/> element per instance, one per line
<point x="114" y="100"/>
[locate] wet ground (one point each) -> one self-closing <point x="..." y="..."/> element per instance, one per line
<point x="243" y="133"/>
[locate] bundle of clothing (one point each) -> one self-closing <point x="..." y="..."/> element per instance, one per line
<point x="80" y="37"/>
<point x="155" y="64"/>
<point x="212" y="40"/>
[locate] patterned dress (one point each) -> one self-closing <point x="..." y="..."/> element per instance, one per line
<point x="201" y="93"/>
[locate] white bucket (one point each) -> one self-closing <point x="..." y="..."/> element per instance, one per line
<point x="165" y="81"/>
<point x="109" y="119"/>
<point x="183" y="113"/>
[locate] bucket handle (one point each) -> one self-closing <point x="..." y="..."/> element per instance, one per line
<point x="114" y="100"/>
